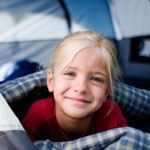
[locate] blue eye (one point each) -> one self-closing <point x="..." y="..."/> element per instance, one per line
<point x="96" y="79"/>
<point x="69" y="74"/>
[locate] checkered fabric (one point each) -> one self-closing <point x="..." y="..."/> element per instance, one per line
<point x="16" y="89"/>
<point x="117" y="139"/>
<point x="133" y="100"/>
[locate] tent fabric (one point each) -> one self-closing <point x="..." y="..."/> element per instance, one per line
<point x="134" y="72"/>
<point x="91" y="15"/>
<point x="52" y="19"/>
<point x="33" y="51"/>
<point x="30" y="20"/>
<point x="12" y="134"/>
<point x="15" y="140"/>
<point x="130" y="18"/>
<point x="31" y="29"/>
<point x="7" y="117"/>
<point x="133" y="100"/>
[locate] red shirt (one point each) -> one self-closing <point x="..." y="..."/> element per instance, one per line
<point x="40" y="122"/>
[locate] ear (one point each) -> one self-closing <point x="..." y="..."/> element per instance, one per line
<point x="108" y="90"/>
<point x="50" y="82"/>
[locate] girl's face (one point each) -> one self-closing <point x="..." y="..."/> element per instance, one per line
<point x="81" y="88"/>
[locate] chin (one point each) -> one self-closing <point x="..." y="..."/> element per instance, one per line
<point x="78" y="115"/>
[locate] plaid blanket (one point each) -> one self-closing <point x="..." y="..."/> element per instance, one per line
<point x="133" y="100"/>
<point x="116" y="139"/>
<point x="14" y="90"/>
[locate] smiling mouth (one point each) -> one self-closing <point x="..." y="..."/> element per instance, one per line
<point x="78" y="100"/>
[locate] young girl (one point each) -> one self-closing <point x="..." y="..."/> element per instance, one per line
<point x="82" y="69"/>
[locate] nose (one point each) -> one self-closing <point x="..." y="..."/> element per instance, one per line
<point x="81" y="85"/>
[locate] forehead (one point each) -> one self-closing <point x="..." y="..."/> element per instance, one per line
<point x="86" y="58"/>
<point x="90" y="58"/>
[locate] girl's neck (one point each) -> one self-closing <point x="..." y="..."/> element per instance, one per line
<point x="73" y="127"/>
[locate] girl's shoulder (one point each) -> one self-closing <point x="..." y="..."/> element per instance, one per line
<point x="109" y="108"/>
<point x="107" y="103"/>
<point x="42" y="103"/>
<point x="41" y="108"/>
<point x="109" y="116"/>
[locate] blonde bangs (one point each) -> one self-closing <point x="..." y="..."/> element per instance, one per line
<point x="65" y="53"/>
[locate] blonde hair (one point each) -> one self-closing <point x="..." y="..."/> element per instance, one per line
<point x="75" y="42"/>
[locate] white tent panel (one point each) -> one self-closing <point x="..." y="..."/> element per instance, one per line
<point x="32" y="27"/>
<point x="8" y="120"/>
<point x="130" y="18"/>
<point x="32" y="20"/>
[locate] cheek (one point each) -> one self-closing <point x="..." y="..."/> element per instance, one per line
<point x="99" y="95"/>
<point x="60" y="85"/>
